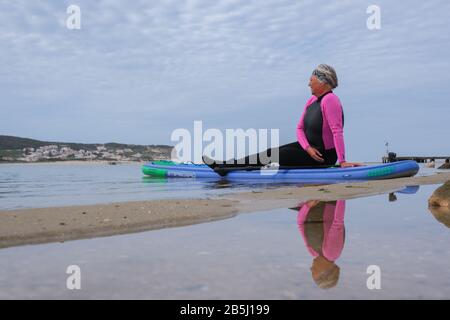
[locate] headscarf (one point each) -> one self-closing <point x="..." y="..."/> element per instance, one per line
<point x="326" y="73"/>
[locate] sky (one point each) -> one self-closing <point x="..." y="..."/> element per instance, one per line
<point x="137" y="70"/>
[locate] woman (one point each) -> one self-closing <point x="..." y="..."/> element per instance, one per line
<point x="320" y="139"/>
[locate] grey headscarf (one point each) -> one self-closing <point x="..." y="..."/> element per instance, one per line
<point x="326" y="73"/>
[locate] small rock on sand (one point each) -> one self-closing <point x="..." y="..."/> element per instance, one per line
<point x="439" y="204"/>
<point x="441" y="196"/>
<point x="445" y="166"/>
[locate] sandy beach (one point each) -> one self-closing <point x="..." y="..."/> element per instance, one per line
<point x="59" y="224"/>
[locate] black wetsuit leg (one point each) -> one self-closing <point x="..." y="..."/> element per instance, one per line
<point x="291" y="154"/>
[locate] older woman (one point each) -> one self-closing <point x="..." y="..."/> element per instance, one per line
<point x="320" y="138"/>
<point x="320" y="131"/>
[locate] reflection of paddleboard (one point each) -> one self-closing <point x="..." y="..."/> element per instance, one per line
<point x="409" y="190"/>
<point x="150" y="179"/>
<point x="398" y="169"/>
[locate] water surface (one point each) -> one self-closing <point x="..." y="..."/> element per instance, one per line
<point x="260" y="255"/>
<point x="53" y="185"/>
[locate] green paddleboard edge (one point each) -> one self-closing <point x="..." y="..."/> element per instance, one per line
<point x="154" y="172"/>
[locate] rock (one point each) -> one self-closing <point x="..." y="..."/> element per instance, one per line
<point x="430" y="164"/>
<point x="441" y="196"/>
<point x="442" y="214"/>
<point x="439" y="204"/>
<point x="446" y="165"/>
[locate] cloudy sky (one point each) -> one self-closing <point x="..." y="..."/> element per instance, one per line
<point x="137" y="70"/>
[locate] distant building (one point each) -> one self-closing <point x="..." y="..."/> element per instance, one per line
<point x="28" y="150"/>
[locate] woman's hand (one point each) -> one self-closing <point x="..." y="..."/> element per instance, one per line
<point x="312" y="203"/>
<point x="346" y="164"/>
<point x="315" y="154"/>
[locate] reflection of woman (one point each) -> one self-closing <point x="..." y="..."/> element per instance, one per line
<point x="321" y="225"/>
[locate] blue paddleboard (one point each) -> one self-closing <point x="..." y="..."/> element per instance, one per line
<point x="392" y="170"/>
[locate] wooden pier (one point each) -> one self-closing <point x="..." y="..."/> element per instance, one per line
<point x="392" y="157"/>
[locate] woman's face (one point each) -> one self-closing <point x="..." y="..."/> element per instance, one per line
<point x="316" y="86"/>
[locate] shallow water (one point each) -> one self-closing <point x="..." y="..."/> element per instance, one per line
<point x="252" y="256"/>
<point x="52" y="185"/>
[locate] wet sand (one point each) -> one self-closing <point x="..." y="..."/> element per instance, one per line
<point x="59" y="224"/>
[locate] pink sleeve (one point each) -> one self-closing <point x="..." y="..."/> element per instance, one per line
<point x="333" y="112"/>
<point x="301" y="137"/>
<point x="302" y="214"/>
<point x="333" y="243"/>
<point x="301" y="218"/>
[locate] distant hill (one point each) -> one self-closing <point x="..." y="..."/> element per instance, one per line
<point x="12" y="150"/>
<point x="14" y="143"/>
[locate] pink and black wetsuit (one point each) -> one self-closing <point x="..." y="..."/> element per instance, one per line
<point x="320" y="126"/>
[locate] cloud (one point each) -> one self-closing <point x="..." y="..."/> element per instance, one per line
<point x="171" y="59"/>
